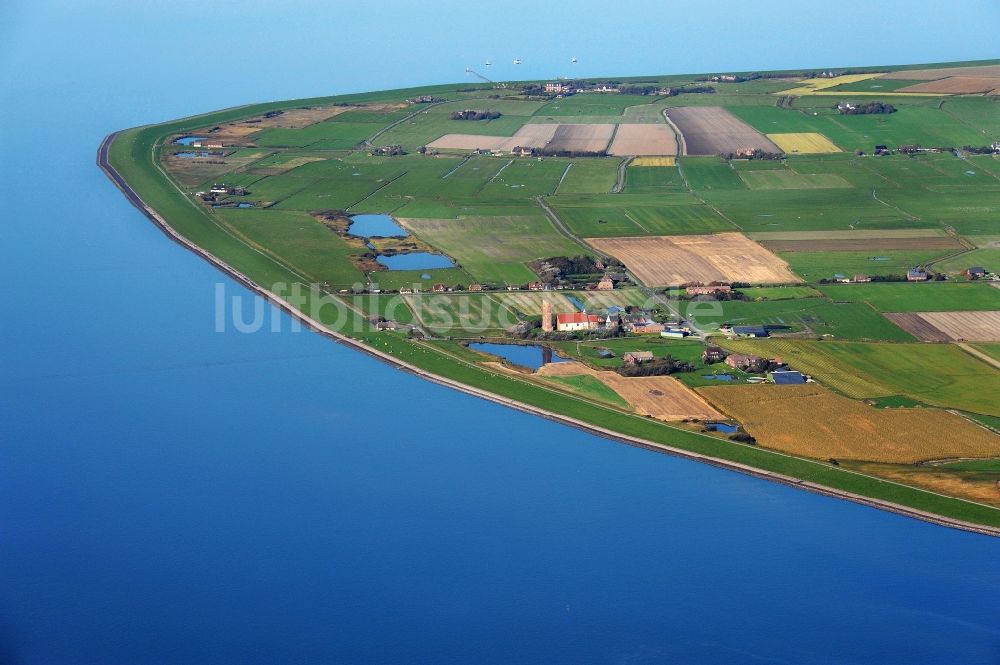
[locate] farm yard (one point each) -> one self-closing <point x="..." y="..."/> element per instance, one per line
<point x="674" y="260"/>
<point x="813" y="421"/>
<point x="670" y="187"/>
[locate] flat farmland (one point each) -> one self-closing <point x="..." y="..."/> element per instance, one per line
<point x="937" y="374"/>
<point x="598" y="300"/>
<point x="645" y="139"/>
<point x="580" y="138"/>
<point x="933" y="73"/>
<point x="529" y="303"/>
<point x="975" y="326"/>
<point x="674" y="260"/>
<point x="460" y="314"/>
<point x="494" y="249"/>
<point x="803" y="143"/>
<point x="653" y="161"/>
<point x="956" y="85"/>
<point x="817" y="265"/>
<point x="941" y="243"/>
<point x="705" y="174"/>
<point x="789" y="179"/>
<point x="590" y="176"/>
<point x="919" y="327"/>
<point x="662" y="212"/>
<point x="712" y="130"/>
<point x="918" y="297"/>
<point x="810" y="420"/>
<point x="661" y="397"/>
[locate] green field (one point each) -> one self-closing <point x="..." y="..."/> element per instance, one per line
<point x="486" y="212"/>
<point x="937" y="374"/>
<point x="918" y="297"/>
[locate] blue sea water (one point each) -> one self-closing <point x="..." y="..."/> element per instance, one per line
<point x="173" y="494"/>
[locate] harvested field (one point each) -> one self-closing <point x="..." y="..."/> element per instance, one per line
<point x="863" y="244"/>
<point x="654" y="161"/>
<point x="530" y="302"/>
<point x="645" y="139"/>
<point x="803" y="143"/>
<point x="236" y="132"/>
<point x="580" y="138"/>
<point x="917" y="326"/>
<point x="712" y="130"/>
<point x="956" y="85"/>
<point x="992" y="71"/>
<point x="812" y="421"/>
<point x="964" y="326"/>
<point x="674" y="260"/>
<point x="661" y="397"/>
<point x="528" y="136"/>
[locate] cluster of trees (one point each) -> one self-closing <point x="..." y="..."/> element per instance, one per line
<point x="757" y="153"/>
<point x="574" y="265"/>
<point x="656" y="367"/>
<point x="474" y="114"/>
<point x="863" y="109"/>
<point x="690" y="90"/>
<point x="571" y="153"/>
<point x="722" y="296"/>
<point x="979" y="150"/>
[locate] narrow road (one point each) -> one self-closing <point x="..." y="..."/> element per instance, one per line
<point x="620" y="183"/>
<point x="558" y="223"/>
<point x="979" y="354"/>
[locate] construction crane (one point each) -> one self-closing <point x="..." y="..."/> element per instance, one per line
<point x="470" y="70"/>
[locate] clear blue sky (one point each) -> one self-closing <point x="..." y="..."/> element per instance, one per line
<point x="345" y="46"/>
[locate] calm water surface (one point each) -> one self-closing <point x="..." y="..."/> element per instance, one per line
<point x="169" y="494"/>
<point x="532" y="356"/>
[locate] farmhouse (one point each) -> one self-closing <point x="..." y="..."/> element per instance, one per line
<point x="475" y="287"/>
<point x="637" y="357"/>
<point x="707" y="290"/>
<point x="577" y="321"/>
<point x="674" y="333"/>
<point x="649" y="329"/>
<point x="916" y="275"/>
<point x="713" y="354"/>
<point x="440" y="288"/>
<point x="522" y="151"/>
<point x="558" y="87"/>
<point x="385" y="325"/>
<point x="859" y="279"/>
<point x="975" y="272"/>
<point x="747" y="363"/>
<point x="605" y="284"/>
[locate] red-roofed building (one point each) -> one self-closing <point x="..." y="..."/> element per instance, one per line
<point x="577" y="321"/>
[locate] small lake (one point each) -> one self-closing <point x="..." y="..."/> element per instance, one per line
<point x="188" y="140"/>
<point x="721" y="427"/>
<point x="416" y="261"/>
<point x="576" y="303"/>
<point x="191" y="154"/>
<point x="525" y="355"/>
<point x="718" y="377"/>
<point x="382" y="226"/>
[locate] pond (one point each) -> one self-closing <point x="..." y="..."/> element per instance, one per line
<point x="526" y="355"/>
<point x="721" y="427"/>
<point x="576" y="303"/>
<point x="415" y="261"/>
<point x="382" y="226"/>
<point x="188" y="140"/>
<point x="191" y="154"/>
<point x="718" y="377"/>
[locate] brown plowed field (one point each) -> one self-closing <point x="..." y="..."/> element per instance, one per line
<point x="966" y="326"/>
<point x="675" y="260"/>
<point x="711" y="130"/>
<point x="862" y="244"/>
<point x="956" y="85"/>
<point x="992" y="71"/>
<point x="581" y="138"/>
<point x="634" y="140"/>
<point x="811" y="420"/>
<point x="914" y="324"/>
<point x="661" y="397"/>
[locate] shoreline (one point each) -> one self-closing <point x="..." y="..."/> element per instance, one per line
<point x="132" y="196"/>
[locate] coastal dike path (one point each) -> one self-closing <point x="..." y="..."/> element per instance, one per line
<point x="133" y="197"/>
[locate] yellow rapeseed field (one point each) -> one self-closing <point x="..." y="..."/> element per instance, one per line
<point x="803" y="143"/>
<point x="812" y="421"/>
<point x="811" y="86"/>
<point x="654" y="161"/>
